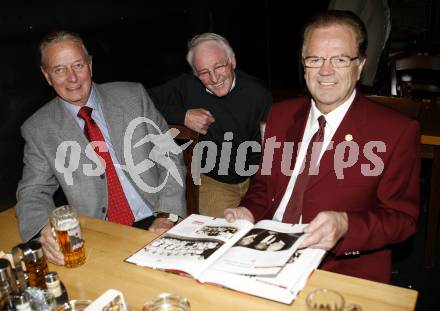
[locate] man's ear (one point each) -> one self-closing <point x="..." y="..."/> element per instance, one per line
<point x="46" y="75"/>
<point x="233" y="62"/>
<point x="90" y="66"/>
<point x="361" y="67"/>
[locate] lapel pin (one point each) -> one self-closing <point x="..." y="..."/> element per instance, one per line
<point x="348" y="137"/>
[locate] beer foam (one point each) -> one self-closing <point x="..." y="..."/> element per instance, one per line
<point x="67" y="224"/>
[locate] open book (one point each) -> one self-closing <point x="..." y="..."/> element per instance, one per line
<point x="260" y="259"/>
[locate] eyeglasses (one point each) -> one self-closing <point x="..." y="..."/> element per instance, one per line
<point x="218" y="69"/>
<point x="340" y="61"/>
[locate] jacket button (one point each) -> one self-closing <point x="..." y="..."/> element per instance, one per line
<point x="102" y="176"/>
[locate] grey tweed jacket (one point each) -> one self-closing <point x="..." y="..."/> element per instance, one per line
<point x="51" y="125"/>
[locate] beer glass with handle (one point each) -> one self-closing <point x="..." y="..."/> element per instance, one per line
<point x="67" y="230"/>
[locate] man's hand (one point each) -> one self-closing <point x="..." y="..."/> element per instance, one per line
<point x="50" y="246"/>
<point x="325" y="230"/>
<point x="160" y="225"/>
<point x="198" y="120"/>
<point x="232" y="214"/>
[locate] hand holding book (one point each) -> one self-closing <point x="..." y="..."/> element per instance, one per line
<point x="234" y="255"/>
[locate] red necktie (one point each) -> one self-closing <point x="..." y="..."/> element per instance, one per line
<point x="118" y="208"/>
<point x="293" y="210"/>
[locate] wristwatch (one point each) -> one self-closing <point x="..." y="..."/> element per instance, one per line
<point x="171" y="217"/>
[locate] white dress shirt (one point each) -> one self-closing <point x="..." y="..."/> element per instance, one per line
<point x="333" y="119"/>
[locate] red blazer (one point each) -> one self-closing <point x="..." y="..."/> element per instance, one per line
<point x="382" y="209"/>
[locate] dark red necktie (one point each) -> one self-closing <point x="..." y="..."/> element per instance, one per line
<point x="293" y="209"/>
<point x="118" y="208"/>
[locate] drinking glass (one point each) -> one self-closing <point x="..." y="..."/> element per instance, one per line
<point x="167" y="302"/>
<point x="324" y="299"/>
<point x="66" y="227"/>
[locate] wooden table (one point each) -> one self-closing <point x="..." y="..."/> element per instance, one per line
<point x="108" y="244"/>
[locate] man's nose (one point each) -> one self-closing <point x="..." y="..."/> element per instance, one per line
<point x="71" y="75"/>
<point x="326" y="68"/>
<point x="213" y="76"/>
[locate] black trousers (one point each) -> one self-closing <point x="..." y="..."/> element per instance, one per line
<point x="144" y="223"/>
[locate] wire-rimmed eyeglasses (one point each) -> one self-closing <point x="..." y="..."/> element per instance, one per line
<point x="218" y="69"/>
<point x="339" y="61"/>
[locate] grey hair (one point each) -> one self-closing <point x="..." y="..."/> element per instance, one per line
<point x="336" y="17"/>
<point x="59" y="36"/>
<point x="207" y="36"/>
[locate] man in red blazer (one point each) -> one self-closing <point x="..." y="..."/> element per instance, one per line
<point x="364" y="195"/>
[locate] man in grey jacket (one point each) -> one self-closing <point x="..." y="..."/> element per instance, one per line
<point x="132" y="169"/>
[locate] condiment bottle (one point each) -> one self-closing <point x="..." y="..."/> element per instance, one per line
<point x="8" y="285"/>
<point x="56" y="288"/>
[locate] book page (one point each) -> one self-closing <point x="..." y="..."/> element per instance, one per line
<point x="283" y="287"/>
<point x="299" y="263"/>
<point x="192" y="245"/>
<point x="264" y="250"/>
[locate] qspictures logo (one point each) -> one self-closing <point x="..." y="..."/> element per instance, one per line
<point x="163" y="146"/>
<point x="68" y="156"/>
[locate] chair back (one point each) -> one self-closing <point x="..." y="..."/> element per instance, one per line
<point x="192" y="190"/>
<point x="410" y="107"/>
<point x="423" y="71"/>
<point x="416" y="109"/>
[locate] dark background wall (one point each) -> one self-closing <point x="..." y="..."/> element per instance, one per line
<point x="145" y="41"/>
<point x="130" y="40"/>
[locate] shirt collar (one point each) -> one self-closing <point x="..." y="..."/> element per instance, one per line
<point x="91" y="102"/>
<point x="334" y="117"/>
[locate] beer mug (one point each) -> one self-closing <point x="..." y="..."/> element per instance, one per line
<point x="65" y="225"/>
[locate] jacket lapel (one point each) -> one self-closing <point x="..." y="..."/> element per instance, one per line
<point x="294" y="134"/>
<point x="354" y="119"/>
<point x="69" y="129"/>
<point x="115" y="119"/>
